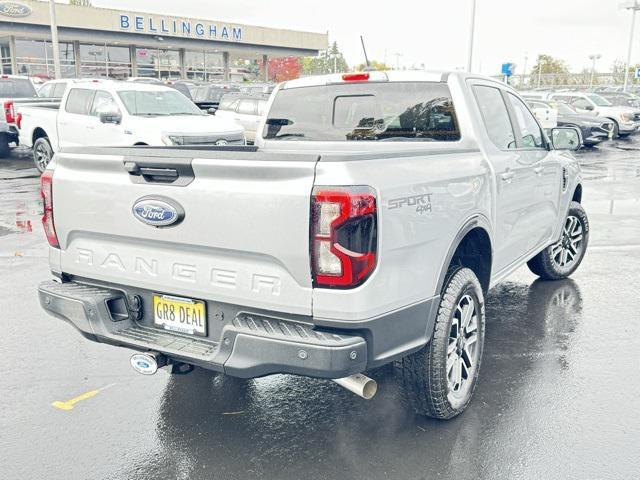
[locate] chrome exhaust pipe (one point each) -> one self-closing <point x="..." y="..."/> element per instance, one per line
<point x="359" y="384"/>
<point x="148" y="363"/>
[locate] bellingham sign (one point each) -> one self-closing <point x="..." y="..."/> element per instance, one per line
<point x="179" y="27"/>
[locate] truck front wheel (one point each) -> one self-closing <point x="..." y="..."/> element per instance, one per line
<point x="563" y="257"/>
<point x="438" y="381"/>
<point x="42" y="153"/>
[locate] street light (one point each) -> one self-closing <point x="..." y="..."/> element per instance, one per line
<point x="593" y="57"/>
<point x="54" y="39"/>
<point x="471" y="33"/>
<point x="398" y="55"/>
<point x="634" y="7"/>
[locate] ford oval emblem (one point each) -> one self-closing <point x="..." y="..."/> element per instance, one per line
<point x="158" y="211"/>
<point x="14" y="9"/>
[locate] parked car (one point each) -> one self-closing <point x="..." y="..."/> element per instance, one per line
<point x="365" y="229"/>
<point x="152" y="80"/>
<point x="181" y="87"/>
<point x="622" y="99"/>
<point x="593" y="129"/>
<point x="190" y="84"/>
<point x="257" y="88"/>
<point x="208" y="96"/>
<point x="546" y="114"/>
<point x="14" y="90"/>
<point x="53" y="89"/>
<point x="111" y="113"/>
<point x="245" y="109"/>
<point x="625" y="120"/>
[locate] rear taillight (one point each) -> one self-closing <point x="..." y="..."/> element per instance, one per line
<point x="343" y="236"/>
<point x="9" y="112"/>
<point x="46" y="192"/>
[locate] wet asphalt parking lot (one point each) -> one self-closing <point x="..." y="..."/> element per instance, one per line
<point x="558" y="395"/>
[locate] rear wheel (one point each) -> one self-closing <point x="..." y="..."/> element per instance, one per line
<point x="42" y="153"/>
<point x="563" y="257"/>
<point x="438" y="381"/>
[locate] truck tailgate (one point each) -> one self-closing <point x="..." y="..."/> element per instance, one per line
<point x="244" y="238"/>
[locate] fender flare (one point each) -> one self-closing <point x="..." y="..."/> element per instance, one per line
<point x="477" y="220"/>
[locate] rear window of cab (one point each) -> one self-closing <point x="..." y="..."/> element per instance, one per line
<point x="383" y="111"/>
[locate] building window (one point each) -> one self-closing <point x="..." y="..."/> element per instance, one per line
<point x="201" y="65"/>
<point x="35" y="58"/>
<point x="5" y="58"/>
<point x="105" y="61"/>
<point x="194" y="65"/>
<point x="162" y="64"/>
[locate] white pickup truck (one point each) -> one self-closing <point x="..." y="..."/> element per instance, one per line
<point x="112" y="113"/>
<point x="365" y="227"/>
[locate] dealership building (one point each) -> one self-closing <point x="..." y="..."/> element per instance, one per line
<point x="100" y="42"/>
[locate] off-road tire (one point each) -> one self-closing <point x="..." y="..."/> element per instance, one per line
<point x="5" y="150"/>
<point x="546" y="264"/>
<point x="423" y="376"/>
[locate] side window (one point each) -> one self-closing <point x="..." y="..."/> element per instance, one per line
<point x="496" y="118"/>
<point x="46" y="90"/>
<point x="562" y="98"/>
<point x="79" y="100"/>
<point x="581" y="103"/>
<point x="103" y="102"/>
<point x="247" y="107"/>
<point x="530" y="133"/>
<point x="59" y="89"/>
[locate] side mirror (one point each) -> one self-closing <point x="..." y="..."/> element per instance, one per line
<point x="111" y="117"/>
<point x="588" y="107"/>
<point x="565" y="138"/>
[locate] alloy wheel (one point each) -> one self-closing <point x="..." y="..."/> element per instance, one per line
<point x="42" y="157"/>
<point x="462" y="351"/>
<point x="568" y="249"/>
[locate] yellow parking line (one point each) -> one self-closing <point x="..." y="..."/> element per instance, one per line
<point x="68" y="405"/>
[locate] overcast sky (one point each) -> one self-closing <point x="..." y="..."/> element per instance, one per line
<point x="434" y="32"/>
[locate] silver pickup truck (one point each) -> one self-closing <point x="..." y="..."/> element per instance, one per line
<point x="364" y="228"/>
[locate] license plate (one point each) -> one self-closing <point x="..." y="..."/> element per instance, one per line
<point x="179" y="314"/>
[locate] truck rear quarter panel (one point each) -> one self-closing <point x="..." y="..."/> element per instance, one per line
<point x="424" y="200"/>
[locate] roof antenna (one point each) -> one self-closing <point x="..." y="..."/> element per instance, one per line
<point x="366" y="59"/>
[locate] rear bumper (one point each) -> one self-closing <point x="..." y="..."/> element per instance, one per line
<point x="11" y="133"/>
<point x="248" y="345"/>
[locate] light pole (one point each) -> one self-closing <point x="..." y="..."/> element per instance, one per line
<point x="524" y="70"/>
<point x="593" y="58"/>
<point x="54" y="39"/>
<point x="539" y="71"/>
<point x="471" y="33"/>
<point x="634" y="7"/>
<point x="398" y="55"/>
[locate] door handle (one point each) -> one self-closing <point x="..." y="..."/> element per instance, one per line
<point x="507" y="175"/>
<point x="539" y="170"/>
<point x="90" y="127"/>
